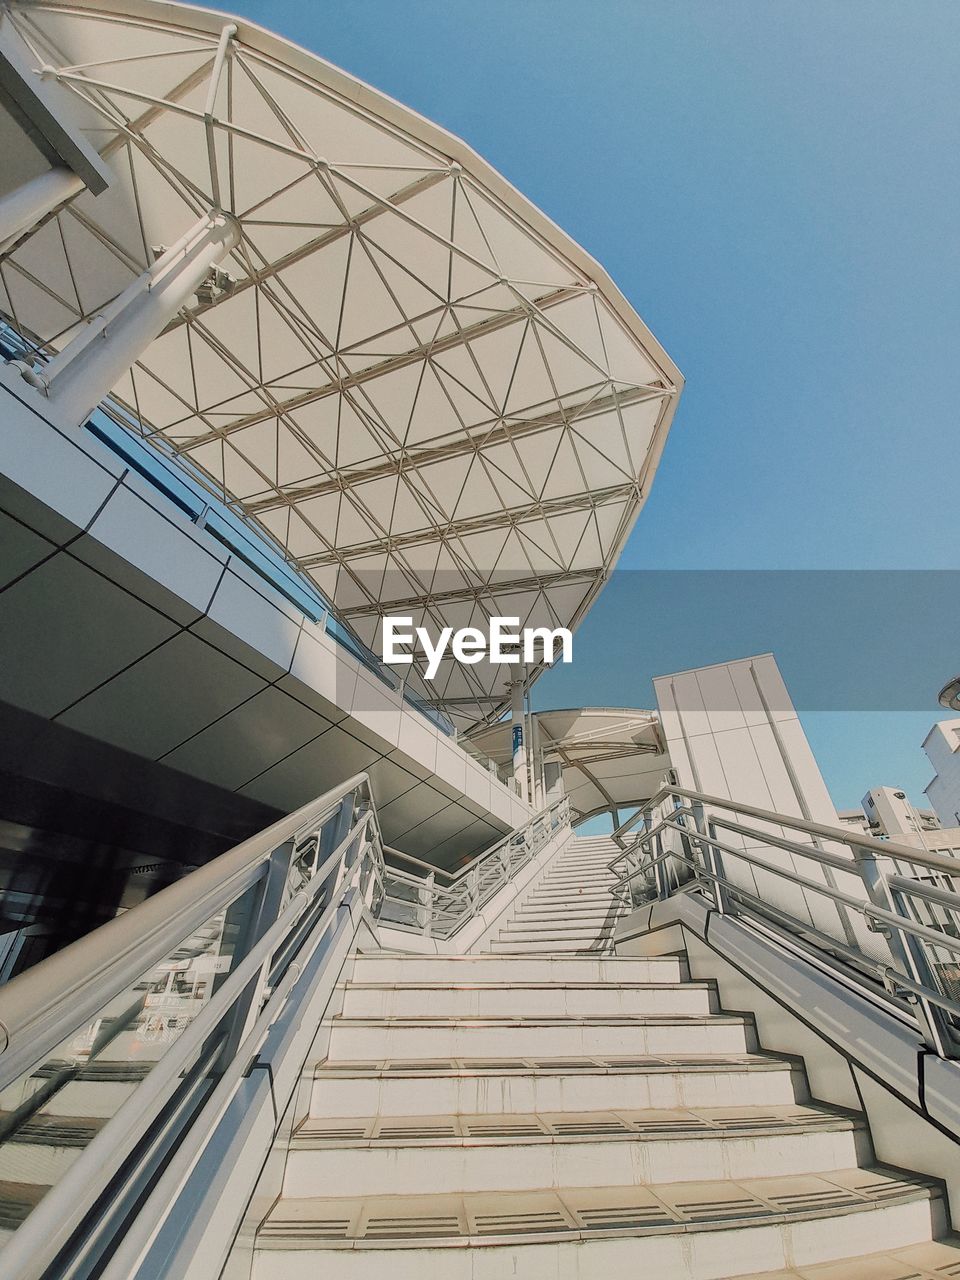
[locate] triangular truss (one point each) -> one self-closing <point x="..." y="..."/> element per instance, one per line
<point x="432" y="399"/>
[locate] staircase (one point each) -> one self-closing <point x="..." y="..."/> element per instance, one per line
<point x="550" y="1115"/>
<point x="571" y="908"/>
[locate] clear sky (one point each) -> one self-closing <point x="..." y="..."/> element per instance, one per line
<point x="775" y="187"/>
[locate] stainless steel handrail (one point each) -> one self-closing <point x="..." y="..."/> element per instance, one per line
<point x="837" y="835"/>
<point x="44" y="1005"/>
<point x="474" y="885"/>
<point x="888" y="905"/>
<point x="467" y="868"/>
<point x="63" y="1208"/>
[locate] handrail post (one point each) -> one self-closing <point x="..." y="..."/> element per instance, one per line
<point x="908" y="950"/>
<point x="261" y="914"/>
<point x="425" y="899"/>
<point x="660" y="878"/>
<point x="714" y="860"/>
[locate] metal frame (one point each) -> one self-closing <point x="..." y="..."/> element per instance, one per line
<point x="887" y="901"/>
<point x="420" y="904"/>
<point x="514" y="464"/>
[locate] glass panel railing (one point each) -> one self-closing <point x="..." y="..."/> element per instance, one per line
<point x="104" y="1081"/>
<point x="56" y="1108"/>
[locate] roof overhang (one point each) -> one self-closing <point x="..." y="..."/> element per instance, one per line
<point x="611" y="757"/>
<point x="435" y="402"/>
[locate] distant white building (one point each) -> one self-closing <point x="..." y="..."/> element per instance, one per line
<point x="942" y="747"/>
<point x="887" y="813"/>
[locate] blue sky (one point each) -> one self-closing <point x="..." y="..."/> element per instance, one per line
<point x="774" y="187"/>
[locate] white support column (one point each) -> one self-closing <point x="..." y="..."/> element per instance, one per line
<point x="23" y="208"/>
<point x="93" y="362"/>
<point x="536" y="761"/>
<point x="519" y="747"/>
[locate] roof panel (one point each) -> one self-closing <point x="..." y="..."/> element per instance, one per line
<point x="407" y="348"/>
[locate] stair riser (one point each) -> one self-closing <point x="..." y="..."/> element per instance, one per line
<point x="35" y="1163"/>
<point x="550" y="948"/>
<point x="574" y="912"/>
<point x="481" y="968"/>
<point x="593" y="895"/>
<point x="594" y="901"/>
<point x="575" y="880"/>
<point x="602" y="926"/>
<point x="335" y="1098"/>
<point x="531" y="1166"/>
<point x="595" y="858"/>
<point x="505" y="1002"/>
<point x="580" y="864"/>
<point x="373" y="1043"/>
<point x="92" y="1098"/>
<point x="554" y="933"/>
<point x="698" y="1255"/>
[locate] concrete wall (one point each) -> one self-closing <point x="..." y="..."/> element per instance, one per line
<point x="942" y="747"/>
<point x="733" y="732"/>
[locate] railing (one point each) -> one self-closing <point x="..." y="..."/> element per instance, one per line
<point x="150" y="1043"/>
<point x="162" y="1010"/>
<point x="436" y="903"/>
<point x="886" y="913"/>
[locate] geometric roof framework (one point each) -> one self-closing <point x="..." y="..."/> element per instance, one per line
<point x="433" y="400"/>
<point x="611" y="758"/>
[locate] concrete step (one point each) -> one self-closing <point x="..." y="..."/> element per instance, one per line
<point x="524" y="999"/>
<point x="439" y="1154"/>
<point x="524" y="948"/>
<point x="583" y="913"/>
<point x="563" y="896"/>
<point x="574" y="879"/>
<point x="471" y="1086"/>
<point x="417" y="1038"/>
<point x="486" y="968"/>
<point x="44" y="1147"/>
<point x="590" y="858"/>
<point x="684" y="1231"/>
<point x="520" y="930"/>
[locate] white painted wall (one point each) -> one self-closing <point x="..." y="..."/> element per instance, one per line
<point x="733" y="732"/>
<point x="942" y="747"/>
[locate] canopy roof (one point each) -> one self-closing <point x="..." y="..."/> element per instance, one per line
<point x="434" y="400"/>
<point x="611" y="757"/>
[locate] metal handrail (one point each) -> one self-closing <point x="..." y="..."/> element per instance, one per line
<point x="837" y="835"/>
<point x="44" y="1005"/>
<point x="281" y="890"/>
<point x="889" y="906"/>
<point x="66" y="1204"/>
<point x="468" y="892"/>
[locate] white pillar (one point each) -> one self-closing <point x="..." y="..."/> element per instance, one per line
<point x="536" y="755"/>
<point x="93" y="362"/>
<point x="23" y="207"/>
<point x="519" y="746"/>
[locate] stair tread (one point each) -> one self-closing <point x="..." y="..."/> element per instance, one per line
<point x="560" y="1066"/>
<point x="542" y="1020"/>
<point x="934" y="1260"/>
<point x="484" y="1218"/>
<point x="561" y="984"/>
<point x="673" y="1125"/>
